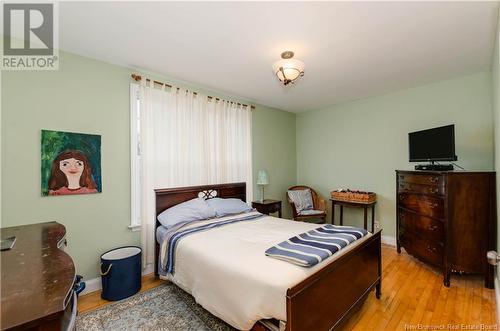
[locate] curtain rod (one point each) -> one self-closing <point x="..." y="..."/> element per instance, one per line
<point x="138" y="78"/>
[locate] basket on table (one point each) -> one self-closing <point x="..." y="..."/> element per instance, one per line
<point x="354" y="196"/>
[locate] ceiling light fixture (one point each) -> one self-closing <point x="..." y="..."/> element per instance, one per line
<point x="288" y="70"/>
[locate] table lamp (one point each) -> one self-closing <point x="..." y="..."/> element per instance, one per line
<point x="262" y="180"/>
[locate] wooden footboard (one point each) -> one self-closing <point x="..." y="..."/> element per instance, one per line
<point x="325" y="299"/>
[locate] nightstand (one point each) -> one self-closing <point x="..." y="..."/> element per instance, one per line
<point x="268" y="206"/>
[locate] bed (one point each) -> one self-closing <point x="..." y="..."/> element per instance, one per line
<point x="314" y="298"/>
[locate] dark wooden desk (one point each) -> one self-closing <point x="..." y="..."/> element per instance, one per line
<point x="268" y="206"/>
<point x="37" y="278"/>
<point x="363" y="205"/>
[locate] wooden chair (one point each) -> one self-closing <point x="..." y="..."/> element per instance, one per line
<point x="319" y="205"/>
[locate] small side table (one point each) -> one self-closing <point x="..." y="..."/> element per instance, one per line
<point x="268" y="206"/>
<point x="354" y="204"/>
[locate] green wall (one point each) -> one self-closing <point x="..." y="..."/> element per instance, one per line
<point x="360" y="144"/>
<point x="90" y="96"/>
<point x="274" y="150"/>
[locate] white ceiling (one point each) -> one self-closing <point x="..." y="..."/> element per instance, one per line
<point x="351" y="50"/>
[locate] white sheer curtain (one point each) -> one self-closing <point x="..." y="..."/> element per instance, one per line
<point x="187" y="139"/>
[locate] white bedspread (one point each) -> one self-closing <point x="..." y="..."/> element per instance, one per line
<point x="226" y="271"/>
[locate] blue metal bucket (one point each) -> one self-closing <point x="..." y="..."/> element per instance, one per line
<point x="121" y="272"/>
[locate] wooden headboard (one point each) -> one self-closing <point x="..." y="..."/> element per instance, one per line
<point x="169" y="197"/>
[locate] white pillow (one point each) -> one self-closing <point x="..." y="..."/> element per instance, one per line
<point x="192" y="210"/>
<point x="229" y="206"/>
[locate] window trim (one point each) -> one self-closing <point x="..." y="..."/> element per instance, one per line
<point x="135" y="176"/>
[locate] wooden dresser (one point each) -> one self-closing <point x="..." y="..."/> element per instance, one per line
<point x="448" y="219"/>
<point x="37" y="279"/>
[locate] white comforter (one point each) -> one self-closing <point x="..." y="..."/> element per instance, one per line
<point x="226" y="271"/>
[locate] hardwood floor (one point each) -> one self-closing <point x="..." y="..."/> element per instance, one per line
<point x="412" y="294"/>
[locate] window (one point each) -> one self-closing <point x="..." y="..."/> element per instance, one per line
<point x="182" y="138"/>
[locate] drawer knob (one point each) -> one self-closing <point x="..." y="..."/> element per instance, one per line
<point x="434" y="179"/>
<point x="433" y="190"/>
<point x="431" y="249"/>
<point x="432" y="227"/>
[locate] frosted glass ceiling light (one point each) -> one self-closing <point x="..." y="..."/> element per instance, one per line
<point x="288" y="70"/>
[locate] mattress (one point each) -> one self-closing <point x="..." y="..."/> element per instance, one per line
<point x="226" y="271"/>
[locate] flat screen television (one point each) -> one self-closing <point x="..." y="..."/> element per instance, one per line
<point x="436" y="144"/>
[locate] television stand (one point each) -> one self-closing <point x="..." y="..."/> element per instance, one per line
<point x="434" y="167"/>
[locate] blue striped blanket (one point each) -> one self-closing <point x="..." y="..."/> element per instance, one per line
<point x="173" y="235"/>
<point x="310" y="248"/>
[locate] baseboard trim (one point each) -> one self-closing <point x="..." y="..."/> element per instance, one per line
<point x="389" y="240"/>
<point x="94" y="284"/>
<point x="497" y="294"/>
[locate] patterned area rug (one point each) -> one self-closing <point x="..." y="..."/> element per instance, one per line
<point x="165" y="307"/>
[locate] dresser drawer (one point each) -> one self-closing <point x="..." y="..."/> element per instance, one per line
<point x="421" y="179"/>
<point x="437" y="180"/>
<point x="420" y="188"/>
<point x="422" y="204"/>
<point x="425" y="227"/>
<point x="424" y="250"/>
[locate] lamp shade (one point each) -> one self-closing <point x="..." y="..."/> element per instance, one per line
<point x="288" y="69"/>
<point x="262" y="177"/>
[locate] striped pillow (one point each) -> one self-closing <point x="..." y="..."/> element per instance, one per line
<point x="309" y="248"/>
<point x="302" y="199"/>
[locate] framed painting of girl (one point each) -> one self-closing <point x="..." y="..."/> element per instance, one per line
<point x="71" y="163"/>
